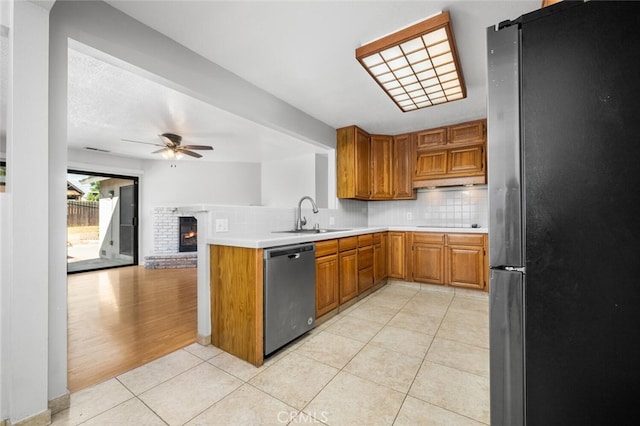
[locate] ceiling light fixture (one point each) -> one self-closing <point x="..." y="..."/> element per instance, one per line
<point x="417" y="66"/>
<point x="171" y="154"/>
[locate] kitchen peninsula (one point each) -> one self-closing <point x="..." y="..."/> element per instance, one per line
<point x="362" y="261"/>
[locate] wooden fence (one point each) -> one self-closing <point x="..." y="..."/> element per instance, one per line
<point x="82" y="213"/>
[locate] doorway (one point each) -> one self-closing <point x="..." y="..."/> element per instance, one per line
<point x="102" y="221"/>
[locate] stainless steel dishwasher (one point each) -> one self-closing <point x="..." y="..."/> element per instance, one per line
<point x="289" y="294"/>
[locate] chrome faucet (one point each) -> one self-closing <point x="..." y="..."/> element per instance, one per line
<point x="301" y="221"/>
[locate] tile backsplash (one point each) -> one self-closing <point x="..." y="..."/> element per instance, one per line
<point x="454" y="207"/>
<point x="451" y="207"/>
<point x="255" y="219"/>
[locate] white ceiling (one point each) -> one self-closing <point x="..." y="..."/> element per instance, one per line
<point x="107" y="103"/>
<point x="302" y="52"/>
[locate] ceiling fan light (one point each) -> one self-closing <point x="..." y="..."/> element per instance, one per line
<point x="178" y="155"/>
<point x="420" y="52"/>
<point x="168" y="154"/>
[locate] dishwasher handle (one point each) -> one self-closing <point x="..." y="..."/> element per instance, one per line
<point x="293" y="251"/>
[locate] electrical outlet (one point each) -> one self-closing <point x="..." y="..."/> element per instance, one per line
<point x="222" y="225"/>
<point x="332" y="220"/>
<point x="409" y="216"/>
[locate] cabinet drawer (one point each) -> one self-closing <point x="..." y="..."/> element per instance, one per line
<point x="347" y="243"/>
<point x="325" y="248"/>
<point x="365" y="257"/>
<point x="377" y="238"/>
<point x="428" y="237"/>
<point x="465" y="239"/>
<point x="365" y="240"/>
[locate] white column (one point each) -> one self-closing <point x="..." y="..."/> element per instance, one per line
<point x="25" y="288"/>
<point x="204" y="283"/>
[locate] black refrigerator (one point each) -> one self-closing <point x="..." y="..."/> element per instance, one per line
<point x="564" y="234"/>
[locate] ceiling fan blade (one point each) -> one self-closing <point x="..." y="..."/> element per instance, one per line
<point x="159" y="151"/>
<point x="146" y="143"/>
<point x="190" y="153"/>
<point x="199" y="147"/>
<point x="171" y="139"/>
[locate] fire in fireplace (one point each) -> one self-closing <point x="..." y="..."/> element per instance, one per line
<point x="188" y="237"/>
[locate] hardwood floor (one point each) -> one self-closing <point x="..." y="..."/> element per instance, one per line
<point x="119" y="319"/>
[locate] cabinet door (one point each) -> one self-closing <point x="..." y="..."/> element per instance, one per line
<point x="396" y="255"/>
<point x="352" y="163"/>
<point x="363" y="165"/>
<point x="327" y="284"/>
<point x="428" y="263"/>
<point x="365" y="268"/>
<point x="472" y="132"/>
<point x="348" y="275"/>
<point x="403" y="167"/>
<point x="467" y="161"/>
<point x="466" y="266"/>
<point x="381" y="167"/>
<point x="380" y="259"/>
<point x="432" y="138"/>
<point x="430" y="164"/>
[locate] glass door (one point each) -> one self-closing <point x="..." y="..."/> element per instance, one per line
<point x="102" y="221"/>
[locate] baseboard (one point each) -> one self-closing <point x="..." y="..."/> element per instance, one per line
<point x="42" y="419"/>
<point x="60" y="403"/>
<point x="203" y="340"/>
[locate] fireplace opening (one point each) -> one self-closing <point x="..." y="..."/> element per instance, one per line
<point x="188" y="234"/>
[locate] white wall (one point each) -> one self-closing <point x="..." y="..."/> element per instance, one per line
<point x="285" y="181"/>
<point x="24" y="342"/>
<point x="5" y="263"/>
<point x="100" y="26"/>
<point x="182" y="183"/>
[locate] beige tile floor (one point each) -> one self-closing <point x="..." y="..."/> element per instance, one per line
<point x="407" y="354"/>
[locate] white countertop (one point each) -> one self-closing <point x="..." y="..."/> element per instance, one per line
<point x="273" y="239"/>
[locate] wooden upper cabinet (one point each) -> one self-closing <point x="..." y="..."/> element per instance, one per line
<point x="353" y="163"/>
<point x="470" y="133"/>
<point x="460" y="161"/>
<point x="467" y="161"/>
<point x="430" y="164"/>
<point x="402" y="185"/>
<point x="431" y="139"/>
<point x="381" y="167"/>
<point x="374" y="167"/>
<point x="363" y="165"/>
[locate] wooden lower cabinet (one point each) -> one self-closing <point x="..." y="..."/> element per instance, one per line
<point x="466" y="260"/>
<point x="450" y="259"/>
<point x="348" y="268"/>
<point x="428" y="257"/>
<point x="327" y="277"/>
<point x="397" y="266"/>
<point x="379" y="257"/>
<point x="365" y="262"/>
<point x="237" y="301"/>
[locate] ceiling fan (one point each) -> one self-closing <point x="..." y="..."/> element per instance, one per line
<point x="172" y="147"/>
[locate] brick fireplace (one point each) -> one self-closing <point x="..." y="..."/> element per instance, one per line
<point x="174" y="240"/>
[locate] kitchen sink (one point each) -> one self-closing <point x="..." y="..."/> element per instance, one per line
<point x="309" y="231"/>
